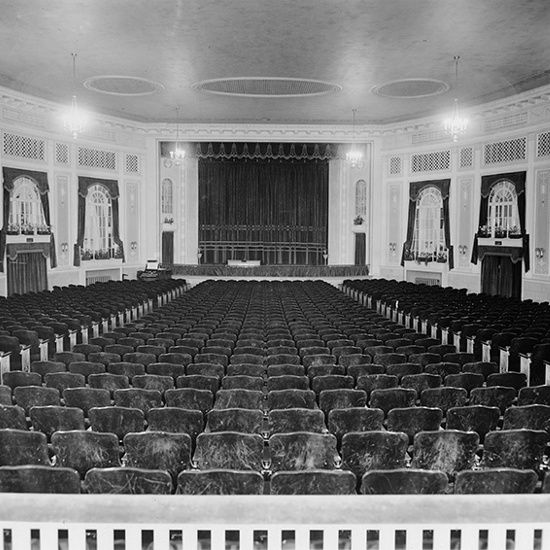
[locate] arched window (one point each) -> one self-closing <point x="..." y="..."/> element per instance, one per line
<point x="167" y="199"/>
<point x="503" y="215"/>
<point x="361" y="201"/>
<point x="429" y="231"/>
<point x="98" y="236"/>
<point x="26" y="214"/>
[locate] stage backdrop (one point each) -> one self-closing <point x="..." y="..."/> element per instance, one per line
<point x="272" y="211"/>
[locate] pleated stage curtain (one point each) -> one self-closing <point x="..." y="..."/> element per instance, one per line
<point x="500" y="276"/>
<point x="27" y="272"/>
<point x="274" y="212"/>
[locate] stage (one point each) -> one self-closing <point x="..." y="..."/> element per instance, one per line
<point x="334" y="274"/>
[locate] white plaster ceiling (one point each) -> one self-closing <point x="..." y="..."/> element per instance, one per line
<point x="504" y="49"/>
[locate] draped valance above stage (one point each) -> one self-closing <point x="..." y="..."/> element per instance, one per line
<point x="259" y="150"/>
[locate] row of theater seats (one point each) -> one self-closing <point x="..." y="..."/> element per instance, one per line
<point x="35" y="325"/>
<point x="225" y="415"/>
<point x="504" y="330"/>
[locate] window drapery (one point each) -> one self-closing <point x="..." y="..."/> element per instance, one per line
<point x="84" y="184"/>
<point x="414" y="191"/>
<point x="275" y="212"/>
<point x="41" y="181"/>
<point x="487" y="182"/>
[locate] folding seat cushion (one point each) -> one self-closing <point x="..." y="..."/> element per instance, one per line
<point x="296" y="420"/>
<point x="105" y="357"/>
<point x="364" y="369"/>
<point x="162" y="342"/>
<point x="392" y="398"/>
<point x="284" y="369"/>
<point x="255" y="358"/>
<point x="108" y="381"/>
<point x="357" y="359"/>
<point x="443" y="369"/>
<point x="37" y="478"/>
<point x="188" y="342"/>
<point x="516" y="380"/>
<point x="466" y="380"/>
<point x="343" y="351"/>
<point x="86" y="368"/>
<point x="404" y="481"/>
<point x="215" y="358"/>
<point x="176" y="420"/>
<point x="183" y="350"/>
<point x="270" y="343"/>
<point x="127" y="481"/>
<point x="403" y="369"/>
<point x="68" y="357"/>
<point x="448" y="451"/>
<point x="494" y="396"/>
<point x="248" y="350"/>
<point x="424" y="359"/>
<point x="220" y="482"/>
<point x="86" y="398"/>
<point x="473" y="418"/>
<point x="176" y="358"/>
<point x="341" y="398"/>
<point x="287" y="381"/>
<point x="318" y="359"/>
<point x="140" y="358"/>
<point x="86" y="349"/>
<point x="441" y="349"/>
<point x="117" y="349"/>
<point x="484" y="368"/>
<point x="32" y="396"/>
<point x="199" y="381"/>
<point x="462" y="357"/>
<point x="373" y="450"/>
<point x="496" y="481"/>
<point x="134" y="341"/>
<point x="444" y="397"/>
<point x="521" y="448"/>
<point x="117" y="420"/>
<point x="302" y="451"/>
<point x="399" y="343"/>
<point x="63" y="380"/>
<point x="276" y="350"/>
<point x="190" y="398"/>
<point x="44" y="367"/>
<point x="125" y="368"/>
<point x="325" y="370"/>
<point x="166" y="369"/>
<point x="535" y="417"/>
<point x="313" y="482"/>
<point x="282" y="359"/>
<point x="288" y="399"/>
<point x="159" y="451"/>
<point x="532" y="395"/>
<point x="412" y="420"/>
<point x="102" y="341"/>
<point x="153" y="382"/>
<point x="53" y="418"/>
<point x="5" y="395"/>
<point x="17" y="378"/>
<point x="151" y="350"/>
<point x="138" y="398"/>
<point x="13" y="416"/>
<point x="19" y="447"/>
<point x="206" y="369"/>
<point x="354" y="419"/>
<point x="235" y="420"/>
<point x="243" y="382"/>
<point x="420" y="382"/>
<point x="229" y="450"/>
<point x="373" y="351"/>
<point x="239" y="398"/>
<point x="409" y="350"/>
<point x="331" y="382"/>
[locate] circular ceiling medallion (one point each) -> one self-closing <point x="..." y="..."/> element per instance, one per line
<point x="409" y="88"/>
<point x="122" y="85"/>
<point x="266" y="87"/>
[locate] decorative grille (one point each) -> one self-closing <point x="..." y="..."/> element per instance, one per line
<point x="15" y="145"/>
<point x="506" y="122"/>
<point x="395" y="165"/>
<point x="132" y="164"/>
<point x="430" y="162"/>
<point x="543" y="144"/>
<point x="466" y="157"/>
<point x="96" y="158"/>
<point x="361" y="198"/>
<point x="61" y="153"/>
<point x="428" y="136"/>
<point x="505" y="151"/>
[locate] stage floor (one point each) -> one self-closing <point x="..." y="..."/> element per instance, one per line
<point x="271" y="271"/>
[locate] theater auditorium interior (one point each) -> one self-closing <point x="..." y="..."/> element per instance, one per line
<point x="275" y="275"/>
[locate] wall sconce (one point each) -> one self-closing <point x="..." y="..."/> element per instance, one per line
<point x="462" y="249"/>
<point x="133" y="246"/>
<point x="393" y="247"/>
<point x="199" y="255"/>
<point x="539" y="253"/>
<point x="64" y="248"/>
<point x="325" y="256"/>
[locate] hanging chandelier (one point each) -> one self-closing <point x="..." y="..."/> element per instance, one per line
<point x="178" y="154"/>
<point x="355" y="156"/>
<point x="455" y="125"/>
<point x="75" y="120"/>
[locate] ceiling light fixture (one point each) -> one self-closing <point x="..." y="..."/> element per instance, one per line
<point x="355" y="156"/>
<point x="456" y="125"/>
<point x="75" y="119"/>
<point x="178" y="154"/>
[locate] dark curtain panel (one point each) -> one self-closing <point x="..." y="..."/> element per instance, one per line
<point x="414" y="190"/>
<point x="27" y="272"/>
<point x="41" y="180"/>
<point x="500" y="276"/>
<point x="360" y="249"/>
<point x="83" y="185"/>
<point x="167" y="248"/>
<point x="275" y="212"/>
<point x="487" y="182"/>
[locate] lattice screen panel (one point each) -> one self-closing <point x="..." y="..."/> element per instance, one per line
<point x="466" y="157"/>
<point x="505" y="151"/>
<point x="395" y="166"/>
<point x="96" y="158"/>
<point x="543" y="144"/>
<point x="431" y="162"/>
<point x="132" y="164"/>
<point x="62" y="153"/>
<point x="506" y="122"/>
<point x="15" y="145"/>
